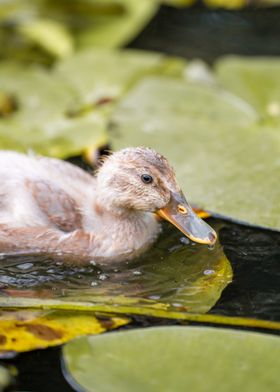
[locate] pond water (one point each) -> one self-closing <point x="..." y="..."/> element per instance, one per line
<point x="254" y="255"/>
<point x="186" y="276"/>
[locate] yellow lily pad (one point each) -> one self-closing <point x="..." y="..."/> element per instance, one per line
<point x="24" y="330"/>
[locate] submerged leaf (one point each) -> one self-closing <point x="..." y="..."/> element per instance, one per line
<point x="24" y="330"/>
<point x="225" y="160"/>
<point x="174" y="359"/>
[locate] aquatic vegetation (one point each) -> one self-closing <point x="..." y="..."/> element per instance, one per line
<point x="24" y="330"/>
<point x="66" y="89"/>
<point x="174" y="358"/>
<point x="172" y="278"/>
<point x="198" y="126"/>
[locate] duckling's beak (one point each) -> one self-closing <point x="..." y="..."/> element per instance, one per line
<point x="180" y="214"/>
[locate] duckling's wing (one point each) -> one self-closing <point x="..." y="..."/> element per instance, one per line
<point x="61" y="210"/>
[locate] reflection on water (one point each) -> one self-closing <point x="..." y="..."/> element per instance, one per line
<point x="255" y="258"/>
<point x="174" y="271"/>
<point x="187" y="276"/>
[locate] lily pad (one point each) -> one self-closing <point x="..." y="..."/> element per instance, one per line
<point x="117" y="29"/>
<point x="4" y="378"/>
<point x="40" y="121"/>
<point x="225" y="160"/>
<point x="99" y="74"/>
<point x="174" y="359"/>
<point x="50" y="35"/>
<point x="24" y="330"/>
<point x="257" y="80"/>
<point x="39" y="31"/>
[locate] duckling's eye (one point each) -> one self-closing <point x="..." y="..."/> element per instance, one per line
<point x="146" y="178"/>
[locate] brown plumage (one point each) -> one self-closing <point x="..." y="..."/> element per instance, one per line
<point x="52" y="207"/>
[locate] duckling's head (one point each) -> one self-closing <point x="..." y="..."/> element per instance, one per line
<point x="140" y="179"/>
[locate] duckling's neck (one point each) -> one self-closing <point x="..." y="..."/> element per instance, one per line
<point x="123" y="233"/>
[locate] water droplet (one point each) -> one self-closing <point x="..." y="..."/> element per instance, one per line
<point x="25" y="266"/>
<point x="176" y="305"/>
<point x="154" y="297"/>
<point x="103" y="277"/>
<point x="137" y="273"/>
<point x="209" y="272"/>
<point x="185" y="240"/>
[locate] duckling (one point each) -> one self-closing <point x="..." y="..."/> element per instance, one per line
<point x="51" y="207"/>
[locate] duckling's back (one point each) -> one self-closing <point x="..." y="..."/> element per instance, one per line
<point x="40" y="191"/>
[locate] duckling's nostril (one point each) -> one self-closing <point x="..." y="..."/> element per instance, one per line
<point x="212" y="237"/>
<point x="182" y="209"/>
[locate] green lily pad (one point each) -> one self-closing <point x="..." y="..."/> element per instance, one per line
<point x="39" y="31"/>
<point x="117" y="29"/>
<point x="50" y="35"/>
<point x="5" y="378"/>
<point x="257" y="80"/>
<point x="98" y="74"/>
<point x="39" y="121"/>
<point x="225" y="160"/>
<point x="174" y="359"/>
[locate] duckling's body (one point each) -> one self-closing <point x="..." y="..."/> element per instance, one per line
<point x="53" y="207"/>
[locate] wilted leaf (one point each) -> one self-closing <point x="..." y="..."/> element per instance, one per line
<point x="98" y="74"/>
<point x="174" y="359"/>
<point x="225" y="160"/>
<point x="40" y="121"/>
<point x="24" y="330"/>
<point x="257" y="80"/>
<point x="50" y="35"/>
